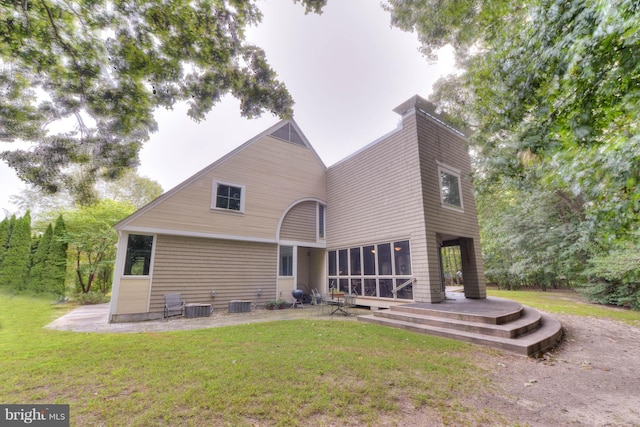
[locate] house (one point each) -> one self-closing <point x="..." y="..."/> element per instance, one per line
<point x="270" y="217"/>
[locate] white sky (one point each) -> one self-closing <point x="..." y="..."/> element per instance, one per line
<point x="346" y="70"/>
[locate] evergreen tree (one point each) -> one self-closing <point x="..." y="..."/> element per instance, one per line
<point x="14" y="268"/>
<point x="4" y="237"/>
<point x="37" y="280"/>
<point x="56" y="264"/>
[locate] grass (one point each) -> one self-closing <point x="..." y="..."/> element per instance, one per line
<point x="568" y="302"/>
<point x="286" y="373"/>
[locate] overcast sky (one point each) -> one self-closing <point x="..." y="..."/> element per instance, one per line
<point x="346" y="70"/>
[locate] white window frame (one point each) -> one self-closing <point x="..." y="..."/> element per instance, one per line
<point x="214" y="196"/>
<point x="126" y="253"/>
<point x="394" y="276"/>
<point x="453" y="172"/>
<point x="292" y="259"/>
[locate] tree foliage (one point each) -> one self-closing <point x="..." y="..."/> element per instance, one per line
<point x="107" y="65"/>
<point x="92" y="241"/>
<point x="38" y="272"/>
<point x="551" y="89"/>
<point x="14" y="268"/>
<point x="57" y="259"/>
<point x="6" y="227"/>
<point x="130" y="188"/>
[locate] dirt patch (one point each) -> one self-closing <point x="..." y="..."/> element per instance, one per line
<point x="591" y="379"/>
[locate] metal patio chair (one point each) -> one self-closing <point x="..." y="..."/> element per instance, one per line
<point x="320" y="302"/>
<point x="173" y="304"/>
<point x="349" y="304"/>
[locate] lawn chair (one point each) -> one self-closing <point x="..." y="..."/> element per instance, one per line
<point x="349" y="304"/>
<point x="321" y="304"/>
<point x="173" y="305"/>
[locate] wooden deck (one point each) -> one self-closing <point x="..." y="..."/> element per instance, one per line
<point x="493" y="322"/>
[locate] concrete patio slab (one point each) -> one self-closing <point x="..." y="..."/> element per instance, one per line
<point x="94" y="318"/>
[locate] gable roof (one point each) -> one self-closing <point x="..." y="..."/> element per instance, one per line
<point x="286" y="130"/>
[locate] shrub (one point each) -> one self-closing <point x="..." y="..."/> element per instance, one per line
<point x="92" y="298"/>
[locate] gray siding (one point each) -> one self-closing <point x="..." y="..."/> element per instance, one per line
<point x="438" y="143"/>
<point x="391" y="190"/>
<point x="375" y="196"/>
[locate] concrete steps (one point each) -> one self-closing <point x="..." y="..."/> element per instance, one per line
<point x="514" y="328"/>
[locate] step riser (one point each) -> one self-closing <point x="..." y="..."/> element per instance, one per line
<point x="525" y="349"/>
<point x="478" y="328"/>
<point x="491" y="320"/>
<point x="449" y="334"/>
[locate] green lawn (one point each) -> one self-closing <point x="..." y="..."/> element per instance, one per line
<point x="287" y="373"/>
<point x="568" y="302"/>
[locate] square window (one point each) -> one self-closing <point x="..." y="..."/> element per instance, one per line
<point x="229" y="197"/>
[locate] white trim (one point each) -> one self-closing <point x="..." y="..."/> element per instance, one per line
<point x="441" y="122"/>
<point x="118" y="269"/>
<point x="183" y="233"/>
<point x="319" y="245"/>
<point x="193" y="178"/>
<point x="214" y="196"/>
<point x="449" y="168"/>
<point x="293" y="261"/>
<point x="320" y="206"/>
<point x="286" y="211"/>
<point x="119" y="266"/>
<point x="393" y="275"/>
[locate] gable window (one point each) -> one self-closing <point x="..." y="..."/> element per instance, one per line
<point x="450" y="188"/>
<point x="138" y="255"/>
<point x="228" y="196"/>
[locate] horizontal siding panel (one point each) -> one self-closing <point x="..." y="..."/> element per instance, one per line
<point x="300" y="223"/>
<point x="275" y="174"/>
<point x="440" y="143"/>
<point x="194" y="267"/>
<point x="376" y="195"/>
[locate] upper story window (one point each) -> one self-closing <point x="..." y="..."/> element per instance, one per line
<point x="450" y="187"/>
<point x="228" y="196"/>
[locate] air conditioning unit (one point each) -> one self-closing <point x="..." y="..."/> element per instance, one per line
<point x="237" y="306"/>
<point x="197" y="310"/>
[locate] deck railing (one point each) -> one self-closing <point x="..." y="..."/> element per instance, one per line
<point x="402" y="286"/>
